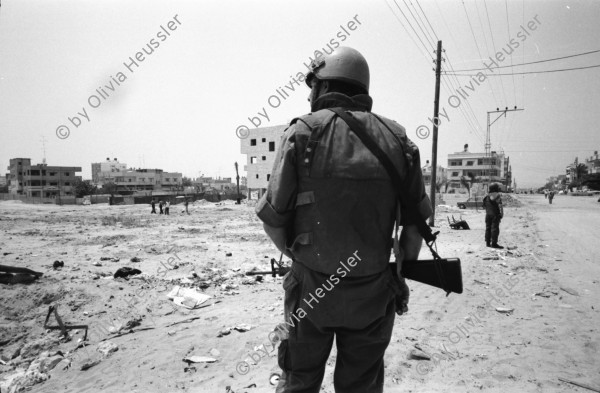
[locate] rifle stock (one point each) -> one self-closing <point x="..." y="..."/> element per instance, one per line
<point x="425" y="272"/>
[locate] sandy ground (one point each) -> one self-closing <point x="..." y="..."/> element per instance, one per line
<point x="550" y="279"/>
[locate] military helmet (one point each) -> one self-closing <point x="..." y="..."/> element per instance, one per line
<point x="494" y="187"/>
<point x="343" y="64"/>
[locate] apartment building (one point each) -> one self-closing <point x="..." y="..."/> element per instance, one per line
<point x="494" y="168"/>
<point x="134" y="179"/>
<point x="102" y="170"/>
<point x="41" y="180"/>
<point x="260" y="148"/>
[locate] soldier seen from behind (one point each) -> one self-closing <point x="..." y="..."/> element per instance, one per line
<point x="331" y="203"/>
<point x="493" y="215"/>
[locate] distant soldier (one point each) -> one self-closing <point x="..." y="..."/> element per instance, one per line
<point x="493" y="215"/>
<point x="550" y="196"/>
<point x="187" y="202"/>
<point x="160" y="206"/>
<point x="153" y="204"/>
<point x="167" y="206"/>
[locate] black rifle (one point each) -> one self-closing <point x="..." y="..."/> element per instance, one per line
<point x="440" y="273"/>
<point x="448" y="277"/>
<point x="280" y="270"/>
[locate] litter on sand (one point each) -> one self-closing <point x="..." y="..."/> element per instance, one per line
<point x="187" y="297"/>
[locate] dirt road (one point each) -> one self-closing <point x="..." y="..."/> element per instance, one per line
<point x="528" y="315"/>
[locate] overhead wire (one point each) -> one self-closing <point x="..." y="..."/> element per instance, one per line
<point x="533" y="62"/>
<point x="533" y="72"/>
<point x="448" y="82"/>
<point x="473" y="121"/>
<point x="430" y="58"/>
<point x="488" y="51"/>
<point x="494" y="46"/>
<point x="511" y="56"/>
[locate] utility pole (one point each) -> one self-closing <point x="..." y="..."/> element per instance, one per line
<point x="488" y="143"/>
<point x="436" y="110"/>
<point x="237" y="179"/>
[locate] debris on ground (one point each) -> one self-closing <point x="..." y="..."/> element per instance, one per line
<point x="187" y="297"/>
<point x="199" y="359"/>
<point x="125" y="272"/>
<point x="17" y="275"/>
<point x="505" y="310"/>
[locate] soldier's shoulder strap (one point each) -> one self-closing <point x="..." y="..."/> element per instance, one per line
<point x="407" y="200"/>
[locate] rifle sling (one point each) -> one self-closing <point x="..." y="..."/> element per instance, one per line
<point x="411" y="207"/>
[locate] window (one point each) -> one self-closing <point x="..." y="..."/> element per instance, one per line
<point x="257" y="175"/>
<point x="264" y="158"/>
<point x="454" y="173"/>
<point x="268" y="177"/>
<point x="35" y="172"/>
<point x="480" y="161"/>
<point x="253" y="160"/>
<point x="66" y="173"/>
<point x="264" y="140"/>
<point x="470" y="163"/>
<point x="67" y="183"/>
<point x="52" y="173"/>
<point x="252" y="142"/>
<point x="271" y="146"/>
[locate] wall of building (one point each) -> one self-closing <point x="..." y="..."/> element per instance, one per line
<point x="41" y="180"/>
<point x="260" y="148"/>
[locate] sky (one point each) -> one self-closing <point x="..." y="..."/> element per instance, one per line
<point x="67" y="63"/>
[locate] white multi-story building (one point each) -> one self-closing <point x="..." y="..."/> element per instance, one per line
<point x="260" y="148"/>
<point x="102" y="170"/>
<point x="131" y="180"/>
<point x="480" y="167"/>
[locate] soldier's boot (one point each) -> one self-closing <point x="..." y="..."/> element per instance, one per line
<point x="496" y="245"/>
<point x="488" y="244"/>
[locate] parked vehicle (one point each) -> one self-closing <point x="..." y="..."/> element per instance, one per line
<point x="471" y="202"/>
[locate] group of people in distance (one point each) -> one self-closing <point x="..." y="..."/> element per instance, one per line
<point x="165" y="206"/>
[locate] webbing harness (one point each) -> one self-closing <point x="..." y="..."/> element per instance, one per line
<point x="406" y="200"/>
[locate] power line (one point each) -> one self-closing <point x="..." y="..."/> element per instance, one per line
<point x="533" y="62"/>
<point x="488" y="51"/>
<point x="493" y="45"/>
<point x="424" y="31"/>
<point x="429" y="59"/>
<point x="531" y="72"/>
<point x="413" y="29"/>
<point x="511" y="57"/>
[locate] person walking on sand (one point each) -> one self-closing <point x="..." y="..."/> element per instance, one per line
<point x="494" y="212"/>
<point x="167" y="206"/>
<point x="550" y="196"/>
<point x="153" y="204"/>
<point x="160" y="206"/>
<point x="320" y="158"/>
<point x="187" y="202"/>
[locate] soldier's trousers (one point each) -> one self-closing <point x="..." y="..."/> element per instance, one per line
<point x="358" y="312"/>
<point x="492" y="229"/>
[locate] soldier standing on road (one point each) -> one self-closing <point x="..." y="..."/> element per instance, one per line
<point x="160" y="206"/>
<point x="153" y="204"/>
<point x="329" y="200"/>
<point x="493" y="215"/>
